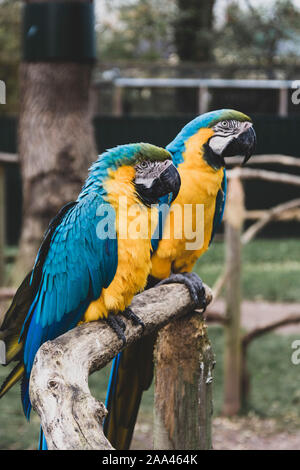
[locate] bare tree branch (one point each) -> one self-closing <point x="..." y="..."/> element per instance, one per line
<point x="71" y="418"/>
<point x="249" y="173"/>
<point x="219" y="284"/>
<point x="215" y="317"/>
<point x="290" y="214"/>
<point x="7" y="293"/>
<point x="271" y="214"/>
<point x="9" y="158"/>
<point x="265" y="159"/>
<point x="251" y="335"/>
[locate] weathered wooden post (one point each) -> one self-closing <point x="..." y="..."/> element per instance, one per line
<point x="118" y="101"/>
<point x="183" y="386"/>
<point x="234" y="219"/>
<point x="203" y="99"/>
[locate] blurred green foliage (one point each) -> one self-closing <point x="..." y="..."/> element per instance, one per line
<point x="247" y="33"/>
<point x="259" y="34"/>
<point x="271" y="269"/>
<point x="139" y="30"/>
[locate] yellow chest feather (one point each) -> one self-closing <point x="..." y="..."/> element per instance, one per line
<point x="200" y="184"/>
<point x="133" y="227"/>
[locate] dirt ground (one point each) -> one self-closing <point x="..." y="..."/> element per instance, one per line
<point x="241" y="433"/>
<point x="257" y="314"/>
<point x="237" y="433"/>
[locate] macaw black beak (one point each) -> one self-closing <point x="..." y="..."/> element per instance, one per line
<point x="168" y="182"/>
<point x="248" y="142"/>
<point x="244" y="144"/>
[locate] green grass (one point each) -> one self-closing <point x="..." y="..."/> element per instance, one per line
<point x="274" y="390"/>
<point x="271" y="269"/>
<point x="16" y="433"/>
<point x="274" y="379"/>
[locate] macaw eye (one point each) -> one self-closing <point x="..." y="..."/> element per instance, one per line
<point x="224" y="123"/>
<point x="143" y="164"/>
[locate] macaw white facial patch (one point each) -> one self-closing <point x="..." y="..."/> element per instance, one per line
<point x="219" y="143"/>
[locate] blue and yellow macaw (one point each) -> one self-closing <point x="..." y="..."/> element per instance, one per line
<point x="84" y="271"/>
<point x="199" y="152"/>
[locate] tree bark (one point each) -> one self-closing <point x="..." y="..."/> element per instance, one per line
<point x="71" y="418"/>
<point x="56" y="146"/>
<point x="183" y="386"/>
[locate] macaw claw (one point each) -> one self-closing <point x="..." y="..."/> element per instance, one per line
<point x="130" y="315"/>
<point x="194" y="284"/>
<point x="118" y="326"/>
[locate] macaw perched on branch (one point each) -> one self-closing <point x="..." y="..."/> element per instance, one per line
<point x="199" y="152"/>
<point x="82" y="271"/>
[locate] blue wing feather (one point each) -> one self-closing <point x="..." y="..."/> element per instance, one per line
<point x="163" y="210"/>
<point x="220" y="206"/>
<point x="77" y="266"/>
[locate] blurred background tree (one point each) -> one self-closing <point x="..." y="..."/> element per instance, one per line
<point x="194" y="30"/>
<point x="136" y="30"/>
<point x="193" y="39"/>
<point x="207" y="31"/>
<point x="10" y="23"/>
<point x="259" y="34"/>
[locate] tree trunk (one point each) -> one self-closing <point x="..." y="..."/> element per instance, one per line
<point x="193" y="41"/>
<point x="193" y="30"/>
<point x="232" y="354"/>
<point x="183" y="391"/>
<point x="56" y="146"/>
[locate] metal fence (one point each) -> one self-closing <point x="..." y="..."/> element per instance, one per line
<point x="125" y="95"/>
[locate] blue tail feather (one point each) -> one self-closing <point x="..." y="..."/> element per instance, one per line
<point x="42" y="441"/>
<point x="112" y="381"/>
